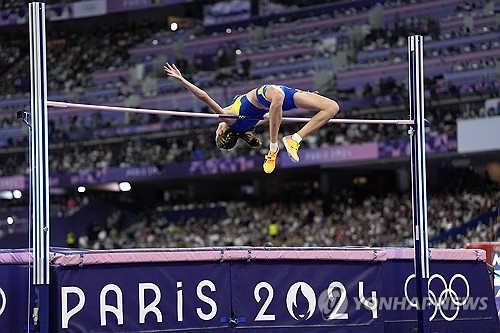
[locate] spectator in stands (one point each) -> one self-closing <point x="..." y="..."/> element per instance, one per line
<point x="271" y="100"/>
<point x="344" y="219"/>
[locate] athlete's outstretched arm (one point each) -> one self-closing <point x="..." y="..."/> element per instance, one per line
<point x="201" y="94"/>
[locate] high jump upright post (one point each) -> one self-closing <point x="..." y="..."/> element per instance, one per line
<point x="418" y="175"/>
<point x="39" y="166"/>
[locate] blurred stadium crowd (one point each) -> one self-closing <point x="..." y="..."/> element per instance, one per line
<point x="338" y="45"/>
<point x="373" y="221"/>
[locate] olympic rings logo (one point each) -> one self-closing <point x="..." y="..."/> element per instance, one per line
<point x="448" y="292"/>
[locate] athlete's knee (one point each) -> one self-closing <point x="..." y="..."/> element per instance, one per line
<point x="332" y="109"/>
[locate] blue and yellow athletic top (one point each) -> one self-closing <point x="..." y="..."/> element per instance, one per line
<point x="242" y="106"/>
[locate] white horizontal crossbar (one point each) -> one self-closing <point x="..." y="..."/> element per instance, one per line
<point x="211" y="115"/>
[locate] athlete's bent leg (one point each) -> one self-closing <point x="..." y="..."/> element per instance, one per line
<point x="327" y="109"/>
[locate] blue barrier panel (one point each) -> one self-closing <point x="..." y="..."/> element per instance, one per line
<point x="140" y="297"/>
<point x="313" y="296"/>
<point x="277" y="290"/>
<point x="14" y="287"/>
<point x="459" y="294"/>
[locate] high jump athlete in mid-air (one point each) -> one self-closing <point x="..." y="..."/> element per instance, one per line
<point x="269" y="100"/>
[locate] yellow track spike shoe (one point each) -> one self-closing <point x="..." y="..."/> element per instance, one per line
<point x="292" y="148"/>
<point x="270" y="161"/>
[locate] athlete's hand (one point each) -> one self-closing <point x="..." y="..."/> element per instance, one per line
<point x="172" y="71"/>
<point x="221" y="129"/>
